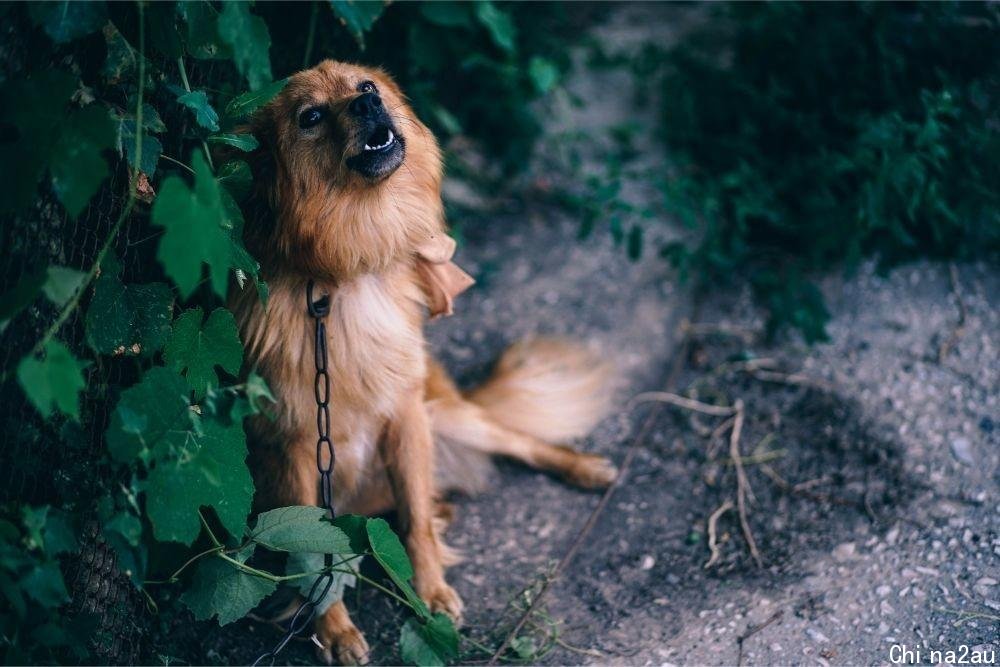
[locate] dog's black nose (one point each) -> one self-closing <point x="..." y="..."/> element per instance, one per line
<point x="366" y="105"/>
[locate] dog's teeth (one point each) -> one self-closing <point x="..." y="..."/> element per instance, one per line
<point x="367" y="147"/>
<point x="389" y="140"/>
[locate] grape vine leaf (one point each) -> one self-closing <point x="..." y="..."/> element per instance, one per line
<point x="67" y="142"/>
<point x="194" y="221"/>
<point x="67" y="20"/>
<point x="62" y="283"/>
<point x="241" y="108"/>
<point x="203" y="39"/>
<point x="77" y="166"/>
<point x="391" y="555"/>
<point x="152" y="418"/>
<point x="204" y="114"/>
<point x="195" y="350"/>
<point x="358" y="16"/>
<point x="54" y="382"/>
<point x="210" y="471"/>
<point x="127" y="318"/>
<point x="301" y="563"/>
<point x="299" y="529"/>
<point x="245" y="142"/>
<point x="221" y="589"/>
<point x="428" y="643"/>
<point x="249" y="39"/>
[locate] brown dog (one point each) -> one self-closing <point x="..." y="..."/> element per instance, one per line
<point x="348" y="195"/>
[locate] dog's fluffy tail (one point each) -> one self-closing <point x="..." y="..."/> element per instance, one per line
<point x="546" y="388"/>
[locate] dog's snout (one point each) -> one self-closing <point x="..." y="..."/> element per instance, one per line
<point x="366" y="105"/>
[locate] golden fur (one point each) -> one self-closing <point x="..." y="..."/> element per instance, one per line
<point x="403" y="433"/>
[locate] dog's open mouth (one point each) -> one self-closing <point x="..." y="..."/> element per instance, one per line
<point x="381" y="153"/>
<point x="380" y="139"/>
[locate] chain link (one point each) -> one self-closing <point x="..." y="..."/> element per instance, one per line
<point x="325" y="459"/>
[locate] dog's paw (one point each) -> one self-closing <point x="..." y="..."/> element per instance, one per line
<point x="590" y="471"/>
<point x="443" y="598"/>
<point x="347" y="645"/>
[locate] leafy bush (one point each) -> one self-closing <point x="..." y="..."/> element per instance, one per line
<point x="123" y="237"/>
<point x="809" y="135"/>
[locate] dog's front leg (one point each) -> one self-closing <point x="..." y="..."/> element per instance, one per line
<point x="408" y="454"/>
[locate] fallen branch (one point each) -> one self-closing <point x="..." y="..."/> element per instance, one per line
<point x="681" y="402"/>
<point x="713" y="533"/>
<point x="743" y="490"/>
<point x="751" y="631"/>
<point x="959" y="329"/>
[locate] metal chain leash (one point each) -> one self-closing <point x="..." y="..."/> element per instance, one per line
<point x="325" y="458"/>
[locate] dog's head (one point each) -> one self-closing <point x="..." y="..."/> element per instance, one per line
<point x="350" y="175"/>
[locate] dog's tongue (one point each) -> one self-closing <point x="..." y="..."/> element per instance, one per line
<point x="442" y="279"/>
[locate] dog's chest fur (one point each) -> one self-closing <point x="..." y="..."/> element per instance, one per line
<point x="375" y="353"/>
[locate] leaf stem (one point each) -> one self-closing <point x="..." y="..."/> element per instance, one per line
<point x="187" y="87"/>
<point x="176" y="161"/>
<point x="173" y="578"/>
<point x="208" y="530"/>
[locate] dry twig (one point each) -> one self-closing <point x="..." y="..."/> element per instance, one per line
<point x="681" y="402"/>
<point x="751" y="631"/>
<point x="743" y="490"/>
<point x="713" y="532"/>
<point x="959" y="330"/>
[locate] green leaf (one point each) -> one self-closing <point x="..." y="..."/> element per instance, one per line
<point x="219" y="589"/>
<point x="244" y="142"/>
<point x="37" y="107"/>
<point x="300" y="563"/>
<point x="249" y="39"/>
<point x="499" y="24"/>
<point x="358" y="16"/>
<point x="62" y="283"/>
<point x="203" y="40"/>
<point x="194" y="221"/>
<point x="204" y="114"/>
<point x="21" y="295"/>
<point x="68" y="20"/>
<point x="391" y="555"/>
<point x="236" y="178"/>
<point x="44" y="583"/>
<point x="54" y="382"/>
<point x="152" y="417"/>
<point x="210" y="471"/>
<point x="544" y="74"/>
<point x="195" y="350"/>
<point x="299" y="529"/>
<point x="121" y="60"/>
<point x="151" y="147"/>
<point x="127" y="318"/>
<point x="428" y="643"/>
<point x="77" y="166"/>
<point x="241" y="108"/>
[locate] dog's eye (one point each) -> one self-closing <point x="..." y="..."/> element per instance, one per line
<point x="311" y="117"/>
<point x="367" y="87"/>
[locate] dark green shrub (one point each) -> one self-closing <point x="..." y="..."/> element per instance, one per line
<point x="809" y="135"/>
